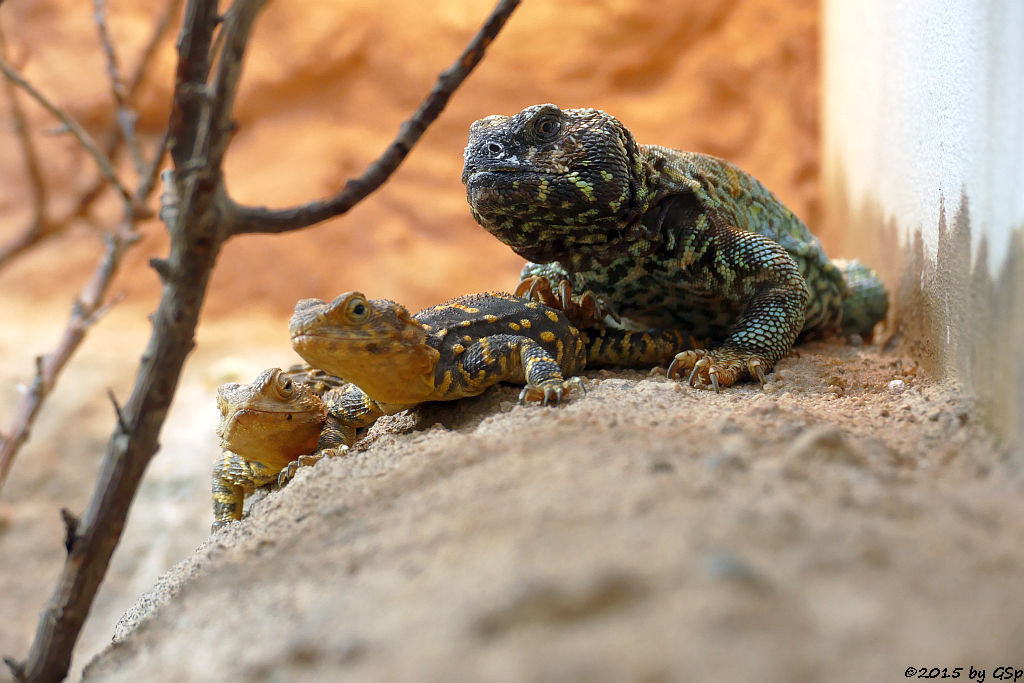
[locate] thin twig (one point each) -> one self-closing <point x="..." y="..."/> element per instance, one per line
<point x="249" y="219"/>
<point x="200" y="120"/>
<point x="126" y="115"/>
<point x="38" y="230"/>
<point x="172" y="10"/>
<point x="87" y="309"/>
<point x="76" y="129"/>
<point x="114" y="138"/>
<point x="39" y="223"/>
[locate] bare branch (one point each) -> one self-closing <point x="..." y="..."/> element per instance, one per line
<point x="85" y="312"/>
<point x="76" y="129"/>
<point x="114" y="138"/>
<point x="125" y="114"/>
<point x="249" y="219"/>
<point x="89" y="306"/>
<point x="200" y="129"/>
<point x="38" y="230"/>
<point x="195" y="242"/>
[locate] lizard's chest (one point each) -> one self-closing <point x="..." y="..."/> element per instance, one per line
<point x="663" y="293"/>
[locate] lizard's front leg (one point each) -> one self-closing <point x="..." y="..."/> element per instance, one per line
<point x="756" y="266"/>
<point x="233" y="479"/>
<point x="521" y="360"/>
<point x="349" y="410"/>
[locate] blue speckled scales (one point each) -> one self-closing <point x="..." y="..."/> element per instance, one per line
<point x="669" y="239"/>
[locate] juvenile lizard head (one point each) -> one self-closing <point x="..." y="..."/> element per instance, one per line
<point x="274" y="420"/>
<point x="374" y="344"/>
<point x="548" y="181"/>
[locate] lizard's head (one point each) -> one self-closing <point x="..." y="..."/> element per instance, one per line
<point x="273" y="420"/>
<point x="549" y="181"/>
<point x="374" y="344"/>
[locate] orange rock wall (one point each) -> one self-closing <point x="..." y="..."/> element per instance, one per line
<point x="327" y="84"/>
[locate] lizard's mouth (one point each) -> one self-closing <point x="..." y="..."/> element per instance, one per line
<point x="500" y="176"/>
<point x="338" y="337"/>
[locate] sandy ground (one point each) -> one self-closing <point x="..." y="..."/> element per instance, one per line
<point x="828" y="528"/>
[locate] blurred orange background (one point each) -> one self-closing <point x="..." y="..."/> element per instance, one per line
<point x="327" y="84"/>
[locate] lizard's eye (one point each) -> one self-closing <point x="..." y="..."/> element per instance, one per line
<point x="285" y="387"/>
<point x="547" y="128"/>
<point x="358" y="310"/>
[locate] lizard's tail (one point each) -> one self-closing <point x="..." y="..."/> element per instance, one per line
<point x="625" y="348"/>
<point x="866" y="301"/>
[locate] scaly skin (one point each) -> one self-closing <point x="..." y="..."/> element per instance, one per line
<point x="287" y="420"/>
<point x="281" y="420"/>
<point x="263" y="426"/>
<point x="459" y="348"/>
<point x="670" y="239"/>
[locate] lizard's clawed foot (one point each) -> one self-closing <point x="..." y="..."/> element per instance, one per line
<point x="719" y="367"/>
<point x="585" y="310"/>
<point x="289" y="472"/>
<point x="550" y="392"/>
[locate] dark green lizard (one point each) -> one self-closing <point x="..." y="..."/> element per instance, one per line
<point x="669" y="239"/>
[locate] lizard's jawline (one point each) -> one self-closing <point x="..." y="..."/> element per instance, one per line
<point x="261" y="411"/>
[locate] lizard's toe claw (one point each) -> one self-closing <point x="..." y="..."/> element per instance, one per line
<point x="607" y="310"/>
<point x="584" y="310"/>
<point x="756" y="368"/>
<point x="289" y="472"/>
<point x="308" y="460"/>
<point x="713" y="374"/>
<point x="553" y="395"/>
<point x="550" y="394"/>
<point x="565" y="295"/>
<point x="698" y="371"/>
<point x="285" y="475"/>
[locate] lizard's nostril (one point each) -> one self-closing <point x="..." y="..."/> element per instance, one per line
<point x="495" y="148"/>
